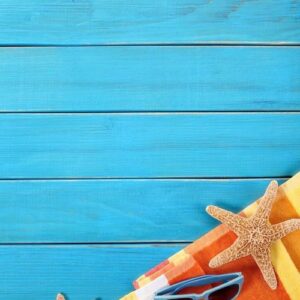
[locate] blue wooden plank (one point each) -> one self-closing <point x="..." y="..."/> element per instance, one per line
<point x="149" y="79"/>
<point x="73" y="211"/>
<point x="180" y="21"/>
<point x="82" y="272"/>
<point x="149" y="145"/>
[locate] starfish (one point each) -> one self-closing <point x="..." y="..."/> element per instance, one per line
<point x="255" y="234"/>
<point x="60" y="297"/>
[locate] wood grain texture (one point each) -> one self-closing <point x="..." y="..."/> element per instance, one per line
<point x="73" y="211"/>
<point x="74" y="149"/>
<point x="101" y="79"/>
<point x="149" y="145"/>
<point x="81" y="272"/>
<point x="120" y="22"/>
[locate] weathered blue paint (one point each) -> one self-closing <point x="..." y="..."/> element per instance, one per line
<point x="149" y="145"/>
<point x="117" y="79"/>
<point x="143" y="21"/>
<point x="72" y="211"/>
<point x="53" y="147"/>
<point x="82" y="272"/>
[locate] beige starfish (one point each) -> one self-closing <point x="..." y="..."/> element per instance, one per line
<point x="255" y="234"/>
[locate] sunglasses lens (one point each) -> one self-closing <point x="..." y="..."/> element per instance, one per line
<point x="227" y="293"/>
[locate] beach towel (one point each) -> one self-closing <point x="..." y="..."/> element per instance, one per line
<point x="193" y="260"/>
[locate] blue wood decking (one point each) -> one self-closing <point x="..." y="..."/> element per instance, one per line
<point x="121" y="120"/>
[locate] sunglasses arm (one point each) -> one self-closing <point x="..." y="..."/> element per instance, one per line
<point x="198" y="281"/>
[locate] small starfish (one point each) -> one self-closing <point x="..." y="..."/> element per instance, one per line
<point x="255" y="234"/>
<point x="60" y="297"/>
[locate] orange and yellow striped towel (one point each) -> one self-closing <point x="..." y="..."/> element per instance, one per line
<point x="193" y="260"/>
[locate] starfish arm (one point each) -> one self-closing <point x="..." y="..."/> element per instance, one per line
<point x="282" y="229"/>
<point x="237" y="250"/>
<point x="266" y="202"/>
<point x="233" y="221"/>
<point x="263" y="260"/>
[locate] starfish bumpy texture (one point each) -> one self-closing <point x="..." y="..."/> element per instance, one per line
<point x="255" y="234"/>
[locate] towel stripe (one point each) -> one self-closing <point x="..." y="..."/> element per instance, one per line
<point x="281" y="260"/>
<point x="282" y="211"/>
<point x="286" y="270"/>
<point x="292" y="190"/>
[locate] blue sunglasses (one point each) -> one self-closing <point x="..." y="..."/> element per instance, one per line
<point x="228" y="289"/>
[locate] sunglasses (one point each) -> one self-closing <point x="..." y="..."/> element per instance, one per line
<point x="228" y="289"/>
